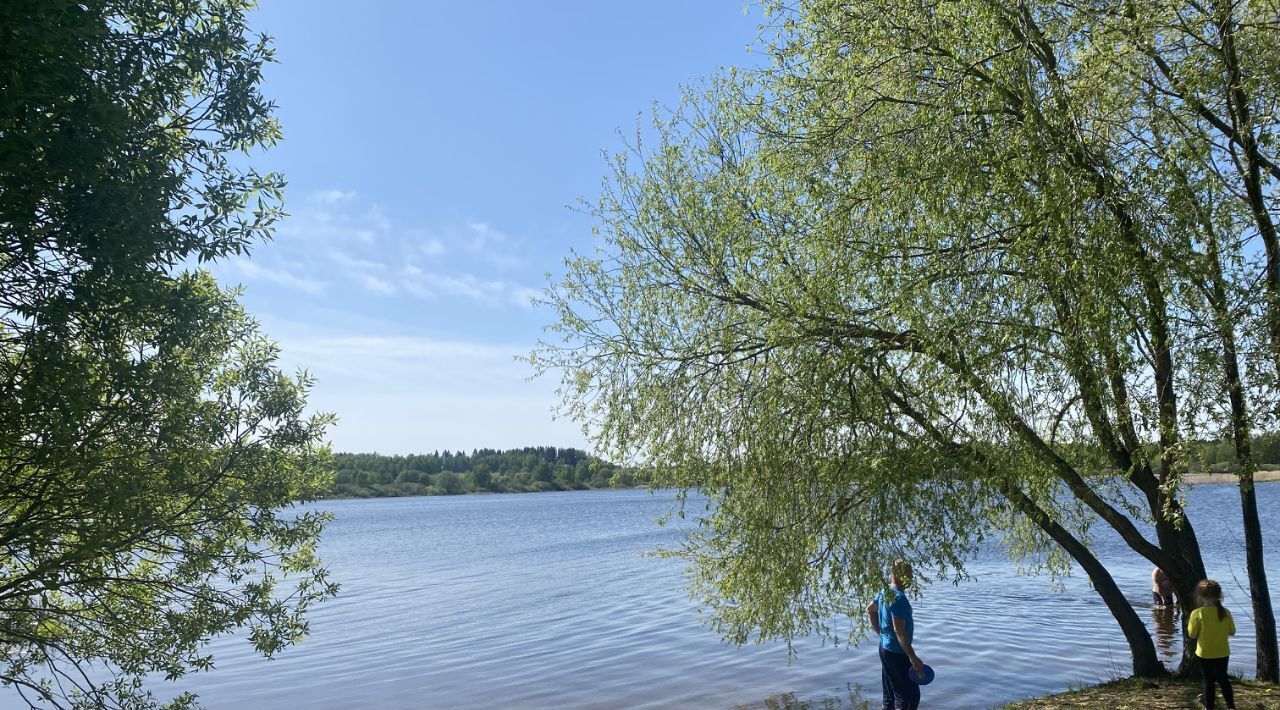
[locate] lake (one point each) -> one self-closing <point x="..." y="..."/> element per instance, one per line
<point x="549" y="600"/>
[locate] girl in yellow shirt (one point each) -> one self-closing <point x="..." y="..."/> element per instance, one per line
<point x="1210" y="625"/>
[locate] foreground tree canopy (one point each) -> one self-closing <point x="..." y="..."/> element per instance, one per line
<point x="147" y="441"/>
<point x="943" y="270"/>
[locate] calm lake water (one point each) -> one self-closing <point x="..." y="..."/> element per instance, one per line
<point x="549" y="601"/>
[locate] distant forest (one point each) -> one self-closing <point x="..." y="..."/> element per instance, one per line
<point x="535" y="468"/>
<point x="547" y="468"/>
<point x="1220" y="456"/>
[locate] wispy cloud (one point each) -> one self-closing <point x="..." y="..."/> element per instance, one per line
<point x="349" y="262"/>
<point x="337" y="239"/>
<point x="493" y="246"/>
<point x="436" y="285"/>
<point x="331" y="196"/>
<point x="406" y="394"/>
<point x="525" y="297"/>
<point x="483" y="237"/>
<point x="454" y="366"/>
<point x="366" y="298"/>
<point x="431" y="246"/>
<point x="244" y="268"/>
<point x="377" y="285"/>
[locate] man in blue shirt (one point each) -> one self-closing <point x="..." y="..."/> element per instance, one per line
<point x="890" y="617"/>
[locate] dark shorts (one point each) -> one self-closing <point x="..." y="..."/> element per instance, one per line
<point x="1161" y="600"/>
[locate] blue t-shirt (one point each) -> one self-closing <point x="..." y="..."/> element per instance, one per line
<point x="894" y="604"/>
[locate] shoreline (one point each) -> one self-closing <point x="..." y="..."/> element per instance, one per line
<point x="1267" y="476"/>
<point x="1216" y="478"/>
<point x="1161" y="694"/>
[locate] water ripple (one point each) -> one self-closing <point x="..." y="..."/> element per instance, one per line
<point x="549" y="600"/>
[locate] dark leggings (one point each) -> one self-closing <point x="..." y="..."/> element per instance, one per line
<point x="900" y="692"/>
<point x="1215" y="671"/>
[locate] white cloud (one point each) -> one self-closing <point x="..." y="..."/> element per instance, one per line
<point x="432" y="247"/>
<point x="377" y="218"/>
<point x="424" y="422"/>
<point x="352" y="263"/>
<point x="409" y="362"/>
<point x="434" y="285"/>
<point x="484" y="236"/>
<point x="331" y="196"/>
<point x="377" y="285"/>
<point x="525" y="296"/>
<point x="249" y="270"/>
<point x="469" y="285"/>
<point x="493" y="246"/>
<point x="353" y="243"/>
<point x="332" y="222"/>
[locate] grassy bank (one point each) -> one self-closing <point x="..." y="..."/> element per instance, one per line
<point x="1130" y="694"/>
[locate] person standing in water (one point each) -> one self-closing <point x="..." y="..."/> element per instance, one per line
<point x="1161" y="588"/>
<point x="1210" y="625"/>
<point x="890" y="617"/>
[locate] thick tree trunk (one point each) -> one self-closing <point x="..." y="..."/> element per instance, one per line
<point x="1268" y="666"/>
<point x="1185" y="567"/>
<point x="1189" y="664"/>
<point x="1145" y="662"/>
<point x="1188" y="667"/>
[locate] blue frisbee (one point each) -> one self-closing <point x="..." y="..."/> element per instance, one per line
<point x="924" y="678"/>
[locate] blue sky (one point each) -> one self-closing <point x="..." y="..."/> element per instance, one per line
<point x="432" y="151"/>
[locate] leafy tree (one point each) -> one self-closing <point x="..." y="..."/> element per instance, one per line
<point x="944" y="270"/>
<point x="1211" y="85"/>
<point x="448" y="481"/>
<point x="148" y="444"/>
<point x="481" y="478"/>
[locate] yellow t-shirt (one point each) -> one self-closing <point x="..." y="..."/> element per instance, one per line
<point x="1211" y="633"/>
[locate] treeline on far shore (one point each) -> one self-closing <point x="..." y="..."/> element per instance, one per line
<point x="1220" y="456"/>
<point x="549" y="468"/>
<point x="534" y="468"/>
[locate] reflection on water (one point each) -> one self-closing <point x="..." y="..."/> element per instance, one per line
<point x="1168" y="633"/>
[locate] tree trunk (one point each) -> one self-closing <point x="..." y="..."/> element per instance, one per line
<point x="1268" y="661"/>
<point x="1268" y="666"/>
<point x="1189" y="664"/>
<point x="1145" y="662"/>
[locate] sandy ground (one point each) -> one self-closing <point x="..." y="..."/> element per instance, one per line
<point x="1259" y="477"/>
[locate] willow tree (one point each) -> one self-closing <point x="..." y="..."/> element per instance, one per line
<point x="937" y="256"/>
<point x="1210" y="89"/>
<point x="148" y="444"/>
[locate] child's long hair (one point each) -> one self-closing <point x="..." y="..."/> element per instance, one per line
<point x="1210" y="591"/>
